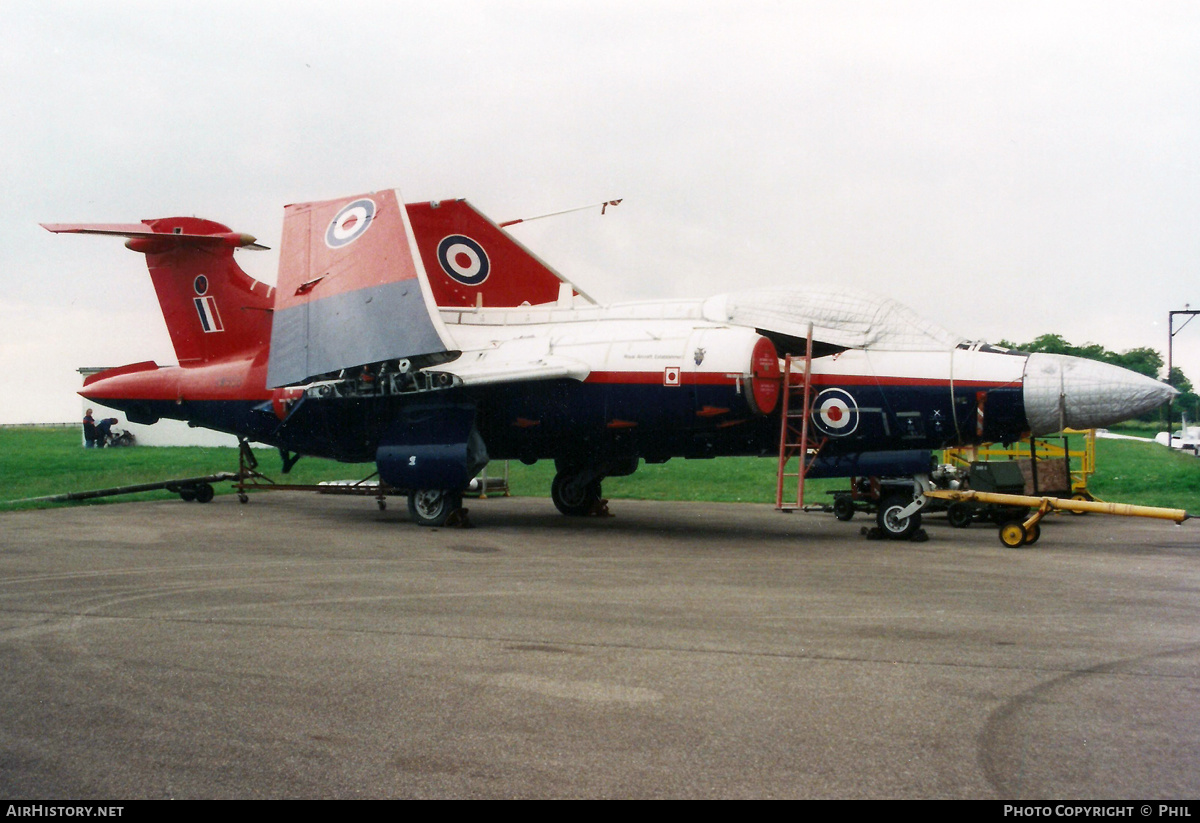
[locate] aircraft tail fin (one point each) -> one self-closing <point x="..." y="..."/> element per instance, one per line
<point x="213" y="309"/>
<point x="352" y="290"/>
<point x="470" y="261"/>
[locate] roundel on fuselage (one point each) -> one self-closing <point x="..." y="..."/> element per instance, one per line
<point x="463" y="260"/>
<point x="349" y="224"/>
<point x="835" y="412"/>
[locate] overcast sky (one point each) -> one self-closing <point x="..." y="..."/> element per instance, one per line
<point x="1009" y="169"/>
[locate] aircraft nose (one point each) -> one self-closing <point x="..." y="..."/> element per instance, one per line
<point x="1072" y="392"/>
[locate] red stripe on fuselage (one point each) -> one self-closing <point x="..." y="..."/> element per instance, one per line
<point x="893" y="380"/>
<point x="722" y="378"/>
<point x="643" y="378"/>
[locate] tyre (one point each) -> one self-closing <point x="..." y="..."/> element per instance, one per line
<point x="187" y="494"/>
<point x="572" y="498"/>
<point x="843" y="508"/>
<point x="431" y="507"/>
<point x="204" y="493"/>
<point x="960" y="514"/>
<point x="889" y="521"/>
<point x="1013" y="534"/>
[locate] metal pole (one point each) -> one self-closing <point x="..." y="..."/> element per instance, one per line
<point x="1171" y="360"/>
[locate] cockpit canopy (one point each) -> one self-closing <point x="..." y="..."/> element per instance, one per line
<point x="841" y="320"/>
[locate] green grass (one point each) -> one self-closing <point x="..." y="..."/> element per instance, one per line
<point x="39" y="462"/>
<point x="1146" y="474"/>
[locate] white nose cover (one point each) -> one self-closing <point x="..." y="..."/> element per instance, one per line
<point x="1071" y="392"/>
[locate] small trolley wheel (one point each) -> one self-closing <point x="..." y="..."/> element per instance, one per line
<point x="204" y="493"/>
<point x="1032" y="533"/>
<point x="382" y="504"/>
<point x="960" y="514"/>
<point x="243" y="497"/>
<point x="843" y="508"/>
<point x="1013" y="535"/>
<point x="1082" y="497"/>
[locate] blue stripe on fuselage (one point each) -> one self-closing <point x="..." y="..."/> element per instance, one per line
<point x="547" y="419"/>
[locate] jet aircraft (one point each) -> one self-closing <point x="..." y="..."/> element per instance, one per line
<point x="424" y="338"/>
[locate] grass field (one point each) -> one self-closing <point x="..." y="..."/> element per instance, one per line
<point x="36" y="462"/>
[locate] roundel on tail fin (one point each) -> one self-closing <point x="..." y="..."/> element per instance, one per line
<point x="463" y="259"/>
<point x="350" y="223"/>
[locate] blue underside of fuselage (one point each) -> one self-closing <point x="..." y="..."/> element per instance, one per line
<point x="594" y="422"/>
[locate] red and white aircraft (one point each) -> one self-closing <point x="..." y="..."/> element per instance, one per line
<point x="425" y="339"/>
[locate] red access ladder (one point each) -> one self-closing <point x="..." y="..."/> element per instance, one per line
<point x="794" y="439"/>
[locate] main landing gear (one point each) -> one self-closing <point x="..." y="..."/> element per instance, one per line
<point x="577" y="494"/>
<point x="435" y="507"/>
<point x="576" y="488"/>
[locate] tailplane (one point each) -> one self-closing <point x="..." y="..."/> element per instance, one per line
<point x="213" y="309"/>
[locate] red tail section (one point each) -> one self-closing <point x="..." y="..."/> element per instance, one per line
<point x="471" y="261"/>
<point x="213" y="309"/>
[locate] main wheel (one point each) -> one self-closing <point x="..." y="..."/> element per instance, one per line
<point x="573" y="498"/>
<point x="204" y="493"/>
<point x="843" y="508"/>
<point x="890" y="522"/>
<point x="431" y="507"/>
<point x="187" y="494"/>
<point x="960" y="514"/>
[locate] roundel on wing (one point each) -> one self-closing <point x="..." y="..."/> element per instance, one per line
<point x="200" y="284"/>
<point x="463" y="260"/>
<point x="835" y="412"/>
<point x="350" y="223"/>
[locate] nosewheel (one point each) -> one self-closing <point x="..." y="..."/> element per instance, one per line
<point x="891" y="524"/>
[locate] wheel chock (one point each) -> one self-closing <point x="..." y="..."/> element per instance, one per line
<point x="458" y="519"/>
